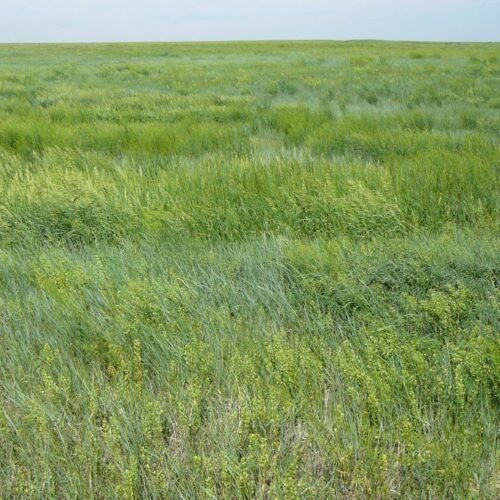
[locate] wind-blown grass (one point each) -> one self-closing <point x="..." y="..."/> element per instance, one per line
<point x="249" y="270"/>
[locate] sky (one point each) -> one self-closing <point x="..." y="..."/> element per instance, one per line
<point x="197" y="20"/>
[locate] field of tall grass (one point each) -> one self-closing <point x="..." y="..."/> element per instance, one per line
<point x="249" y="270"/>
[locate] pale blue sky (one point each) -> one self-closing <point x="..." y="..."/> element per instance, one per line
<point x="165" y="20"/>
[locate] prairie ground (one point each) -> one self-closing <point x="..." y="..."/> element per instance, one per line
<point x="249" y="270"/>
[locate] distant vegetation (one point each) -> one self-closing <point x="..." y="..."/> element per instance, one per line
<point x="249" y="270"/>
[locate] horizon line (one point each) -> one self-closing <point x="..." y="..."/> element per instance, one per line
<point x="254" y="40"/>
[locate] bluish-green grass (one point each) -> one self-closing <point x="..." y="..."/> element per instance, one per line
<point x="249" y="270"/>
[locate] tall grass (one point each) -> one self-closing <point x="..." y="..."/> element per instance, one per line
<point x="249" y="270"/>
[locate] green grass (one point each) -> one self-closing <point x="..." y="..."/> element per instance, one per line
<point x="249" y="270"/>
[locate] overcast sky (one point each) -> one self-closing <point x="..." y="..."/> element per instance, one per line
<point x="165" y="20"/>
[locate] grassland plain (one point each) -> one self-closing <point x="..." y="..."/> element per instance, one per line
<point x="249" y="270"/>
